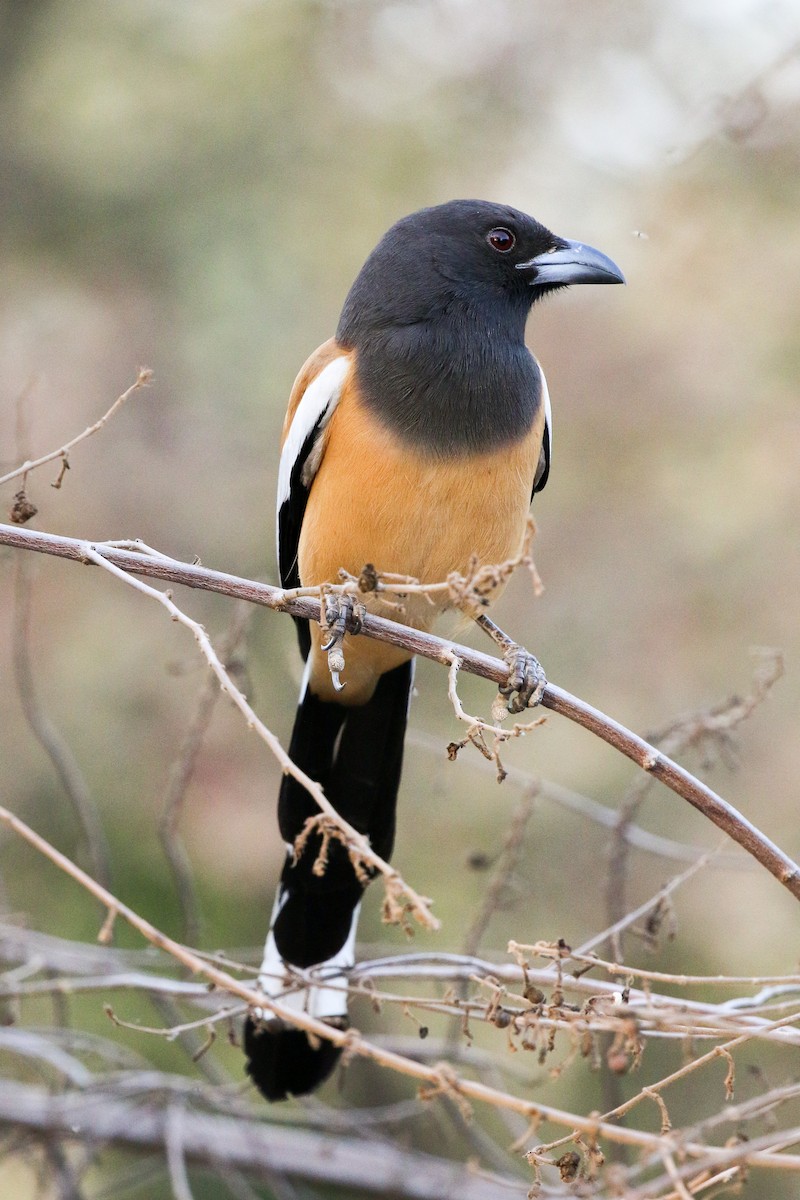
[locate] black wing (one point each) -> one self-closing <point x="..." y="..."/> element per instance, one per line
<point x="300" y="460"/>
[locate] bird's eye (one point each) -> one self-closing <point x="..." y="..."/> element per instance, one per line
<point x="501" y="239"/>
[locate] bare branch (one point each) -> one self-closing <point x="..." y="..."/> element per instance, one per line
<point x="504" y="871"/>
<point x="713" y="723"/>
<point x="181" y="774"/>
<point x="592" y="810"/>
<point x="467" y="1089"/>
<point x="142" y="379"/>
<point x="175" y="1153"/>
<point x="347" y="1162"/>
<point x="48" y="736"/>
<point x="650" y="759"/>
<point x="400" y="897"/>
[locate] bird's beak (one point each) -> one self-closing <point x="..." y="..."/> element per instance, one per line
<point x="572" y="262"/>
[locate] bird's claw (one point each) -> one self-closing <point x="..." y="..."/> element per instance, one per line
<point x="342" y="615"/>
<point x="526" y="680"/>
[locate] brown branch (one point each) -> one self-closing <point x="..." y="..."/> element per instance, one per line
<point x="651" y="760"/>
<point x="356" y="1044"/>
<point x="347" y="1162"/>
<point x="71" y="967"/>
<point x="400" y="898"/>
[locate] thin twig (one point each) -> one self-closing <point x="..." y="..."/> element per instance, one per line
<point x="181" y="775"/>
<point x="176" y="1164"/>
<point x="643" y="909"/>
<point x="399" y="893"/>
<point x="651" y="760"/>
<point x="585" y="806"/>
<point x="478" y="729"/>
<point x="143" y="378"/>
<point x="349" y="1162"/>
<point x="672" y="1171"/>
<point x="656" y="1011"/>
<point x="48" y="736"/>
<point x="497" y="890"/>
<point x="498" y="887"/>
<point x="710" y="723"/>
<point x="452" y="1084"/>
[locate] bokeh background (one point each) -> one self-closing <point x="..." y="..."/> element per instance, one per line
<point x="193" y="187"/>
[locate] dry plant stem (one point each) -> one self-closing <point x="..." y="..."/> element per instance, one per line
<point x="721" y="1052"/>
<point x="466" y="1089"/>
<point x="142" y="380"/>
<point x="629" y="918"/>
<point x="713" y="722"/>
<point x="348" y="1162"/>
<point x="658" y="1013"/>
<point x="652" y="1092"/>
<point x="500" y="881"/>
<point x="176" y="1163"/>
<point x="48" y="736"/>
<point x="718" y="1159"/>
<point x="171" y="1032"/>
<point x="675" y="777"/>
<point x="672" y="1171"/>
<point x="498" y="886"/>
<point x="181" y="775"/>
<point x="629" y="972"/>
<point x="195" y="1042"/>
<point x="477" y="728"/>
<point x="416" y="905"/>
<point x="680" y="781"/>
<point x="600" y="814"/>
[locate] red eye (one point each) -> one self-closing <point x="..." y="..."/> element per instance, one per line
<point x="501" y="239"/>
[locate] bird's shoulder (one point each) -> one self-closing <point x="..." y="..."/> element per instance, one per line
<point x="311" y="369"/>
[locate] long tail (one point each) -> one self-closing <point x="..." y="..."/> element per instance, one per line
<point x="356" y="753"/>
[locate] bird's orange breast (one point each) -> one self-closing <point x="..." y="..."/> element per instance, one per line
<point x="375" y="500"/>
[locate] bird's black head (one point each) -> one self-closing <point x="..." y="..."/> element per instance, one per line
<point x="467" y="254"/>
<point x="437" y="317"/>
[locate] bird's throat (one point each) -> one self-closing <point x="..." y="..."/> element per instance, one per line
<point x="448" y="392"/>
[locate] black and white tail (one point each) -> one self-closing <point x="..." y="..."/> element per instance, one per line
<point x="356" y="753"/>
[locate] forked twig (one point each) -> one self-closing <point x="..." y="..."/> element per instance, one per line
<point x="142" y="380"/>
<point x="639" y="751"/>
<point x="418" y="906"/>
<point x="759" y="1153"/>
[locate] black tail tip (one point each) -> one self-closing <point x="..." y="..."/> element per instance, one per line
<point x="281" y="1060"/>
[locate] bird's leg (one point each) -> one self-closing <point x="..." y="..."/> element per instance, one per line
<point x="526" y="678"/>
<point x="340" y="614"/>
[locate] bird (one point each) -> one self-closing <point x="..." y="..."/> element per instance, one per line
<point x="415" y="440"/>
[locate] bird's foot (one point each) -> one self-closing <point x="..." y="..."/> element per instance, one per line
<point x="341" y="614"/>
<point x="526" y="678"/>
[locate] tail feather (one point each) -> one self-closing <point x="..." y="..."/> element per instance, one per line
<point x="283" y="1063"/>
<point x="356" y="753"/>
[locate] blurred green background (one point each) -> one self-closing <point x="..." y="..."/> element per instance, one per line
<point x="193" y="187"/>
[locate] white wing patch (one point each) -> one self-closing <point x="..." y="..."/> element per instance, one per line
<point x="548" y="412"/>
<point x="316" y="406"/>
<point x="546" y="452"/>
<point x="324" y="998"/>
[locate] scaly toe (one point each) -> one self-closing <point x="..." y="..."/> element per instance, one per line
<point x="526" y="680"/>
<point x="341" y="615"/>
